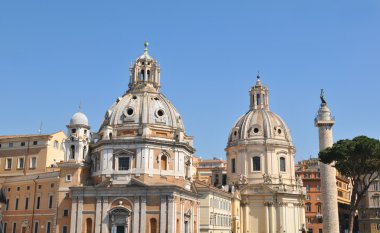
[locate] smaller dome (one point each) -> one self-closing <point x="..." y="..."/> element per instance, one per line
<point x="79" y="119"/>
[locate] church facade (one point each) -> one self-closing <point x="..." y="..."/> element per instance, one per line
<point x="135" y="174"/>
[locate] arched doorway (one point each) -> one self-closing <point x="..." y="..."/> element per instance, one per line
<point x="119" y="219"/>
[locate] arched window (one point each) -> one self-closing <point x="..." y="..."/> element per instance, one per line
<point x="256" y="165"/>
<point x="84" y="151"/>
<point x="164" y="162"/>
<point x="282" y="164"/>
<point x="263" y="99"/>
<point x="153" y="225"/>
<point x="89" y="225"/>
<point x="142" y="75"/>
<point x="72" y="152"/>
<point x="148" y="74"/>
<point x="258" y="99"/>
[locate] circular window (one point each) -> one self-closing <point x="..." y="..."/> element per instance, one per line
<point x="279" y="131"/>
<point x="256" y="130"/>
<point x="130" y="111"/>
<point x="134" y="97"/>
<point x="155" y="98"/>
<point x="160" y="113"/>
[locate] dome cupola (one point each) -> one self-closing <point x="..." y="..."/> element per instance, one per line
<point x="145" y="73"/>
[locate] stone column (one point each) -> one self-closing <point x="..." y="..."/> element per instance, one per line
<point x="181" y="219"/>
<point x="163" y="214"/>
<point x="192" y="218"/>
<point x="98" y="214"/>
<point x="267" y="216"/>
<point x="143" y="215"/>
<point x="245" y="217"/>
<point x="171" y="214"/>
<point x="80" y="214"/>
<point x="136" y="210"/>
<point x="73" y="215"/>
<point x="198" y="217"/>
<point x="105" y="217"/>
<point x="324" y="121"/>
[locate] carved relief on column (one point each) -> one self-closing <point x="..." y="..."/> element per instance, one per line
<point x="143" y="215"/>
<point x="163" y="214"/>
<point x="136" y="214"/>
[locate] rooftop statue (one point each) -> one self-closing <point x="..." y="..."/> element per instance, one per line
<point x="323" y="97"/>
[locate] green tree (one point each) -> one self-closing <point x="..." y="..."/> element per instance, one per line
<point x="359" y="160"/>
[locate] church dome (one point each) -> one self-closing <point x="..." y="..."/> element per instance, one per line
<point x="259" y="123"/>
<point x="79" y="119"/>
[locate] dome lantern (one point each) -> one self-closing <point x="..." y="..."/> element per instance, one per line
<point x="259" y="96"/>
<point x="145" y="73"/>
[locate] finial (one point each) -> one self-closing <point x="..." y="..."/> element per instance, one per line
<point x="322" y="96"/>
<point x="258" y="75"/>
<point x="146" y="44"/>
<point x="40" y="129"/>
<point x="80" y="106"/>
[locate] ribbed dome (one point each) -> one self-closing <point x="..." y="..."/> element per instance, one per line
<point x="79" y="119"/>
<point x="259" y="125"/>
<point x="135" y="109"/>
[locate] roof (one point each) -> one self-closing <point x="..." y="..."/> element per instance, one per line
<point x="21" y="136"/>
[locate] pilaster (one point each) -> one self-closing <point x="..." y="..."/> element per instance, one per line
<point x="73" y="214"/>
<point x="143" y="215"/>
<point x="163" y="214"/>
<point x="105" y="217"/>
<point x="80" y="214"/>
<point x="136" y="210"/>
<point x="98" y="214"/>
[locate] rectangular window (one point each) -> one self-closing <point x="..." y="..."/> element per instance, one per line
<point x="65" y="213"/>
<point x="26" y="203"/>
<point x="233" y="165"/>
<point x="48" y="227"/>
<point x="33" y="162"/>
<point x="14" y="228"/>
<point x="22" y="143"/>
<point x="68" y="178"/>
<point x="376" y="186"/>
<point x="16" y="204"/>
<point x="318" y="187"/>
<point x="64" y="229"/>
<point x="123" y="163"/>
<point x="8" y="164"/>
<point x="11" y="145"/>
<point x="308" y="187"/>
<point x="282" y="164"/>
<point x="35" y="143"/>
<point x="38" y="202"/>
<point x="5" y="227"/>
<point x="7" y="207"/>
<point x="256" y="164"/>
<point x="20" y="163"/>
<point x="35" y="227"/>
<point x="50" y="201"/>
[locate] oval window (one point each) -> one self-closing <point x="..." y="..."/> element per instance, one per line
<point x="160" y="113"/>
<point x="256" y="130"/>
<point x="130" y="111"/>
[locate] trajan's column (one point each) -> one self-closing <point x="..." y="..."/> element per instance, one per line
<point x="324" y="121"/>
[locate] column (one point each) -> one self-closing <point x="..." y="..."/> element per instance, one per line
<point x="80" y="215"/>
<point x="198" y="217"/>
<point x="192" y="218"/>
<point x="136" y="210"/>
<point x="245" y="217"/>
<point x="105" y="216"/>
<point x="163" y="214"/>
<point x="181" y="219"/>
<point x="171" y="220"/>
<point x="73" y="214"/>
<point x="98" y="214"/>
<point x="267" y="216"/>
<point x="143" y="215"/>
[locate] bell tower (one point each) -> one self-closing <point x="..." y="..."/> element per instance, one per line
<point x="77" y="143"/>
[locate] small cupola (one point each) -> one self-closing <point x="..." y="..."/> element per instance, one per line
<point x="259" y="96"/>
<point x="145" y="73"/>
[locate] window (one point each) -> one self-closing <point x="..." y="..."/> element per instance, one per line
<point x="318" y="187"/>
<point x="56" y="145"/>
<point x="308" y="220"/>
<point x="164" y="162"/>
<point x="10" y="144"/>
<point x="318" y="198"/>
<point x="376" y="185"/>
<point x="51" y="185"/>
<point x="50" y="201"/>
<point x="33" y="162"/>
<point x="282" y="164"/>
<point x="68" y="178"/>
<point x="16" y="204"/>
<point x="14" y="228"/>
<point x="5" y="227"/>
<point x="72" y="152"/>
<point x="258" y="99"/>
<point x="27" y="187"/>
<point x="308" y="187"/>
<point x="308" y="197"/>
<point x="376" y="201"/>
<point x="319" y="208"/>
<point x="64" y="229"/>
<point x="123" y="163"/>
<point x="38" y="202"/>
<point x="39" y="186"/>
<point x="35" y="143"/>
<point x="35" y="227"/>
<point x="73" y="130"/>
<point x="308" y="207"/>
<point x="8" y="164"/>
<point x="320" y="231"/>
<point x="256" y="164"/>
<point x="233" y="165"/>
<point x="22" y="143"/>
<point x="0" y="145"/>
<point x="17" y="189"/>
<point x="26" y="203"/>
<point x="65" y="212"/>
<point x="48" y="227"/>
<point x="7" y="205"/>
<point x="20" y="163"/>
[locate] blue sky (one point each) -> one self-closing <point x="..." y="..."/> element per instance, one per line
<point x="56" y="54"/>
